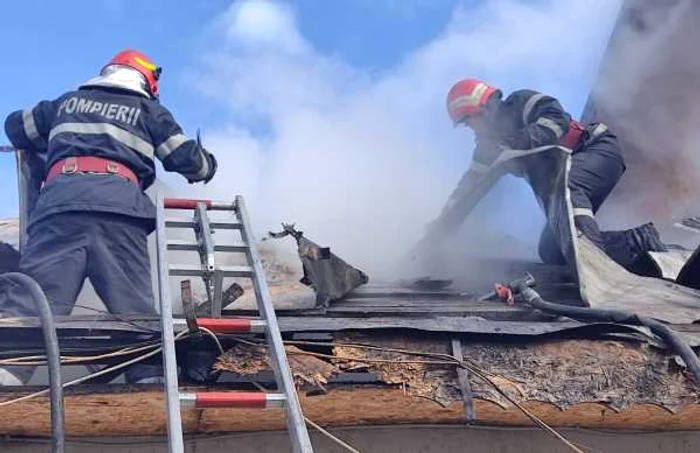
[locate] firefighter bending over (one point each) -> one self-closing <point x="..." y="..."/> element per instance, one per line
<point x="527" y="119"/>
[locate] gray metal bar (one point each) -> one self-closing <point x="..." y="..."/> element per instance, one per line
<point x="190" y="224"/>
<point x="464" y="384"/>
<point x="188" y="400"/>
<point x="207" y="256"/>
<point x="175" y="440"/>
<point x="23" y="193"/>
<point x="216" y="304"/>
<point x="204" y="237"/>
<point x="295" y="419"/>
<point x="189" y="246"/>
<point x="187" y="270"/>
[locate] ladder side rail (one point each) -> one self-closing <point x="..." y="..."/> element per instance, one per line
<point x="175" y="435"/>
<point x="301" y="442"/>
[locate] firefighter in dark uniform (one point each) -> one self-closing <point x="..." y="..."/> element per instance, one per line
<point x="527" y="119"/>
<point x="92" y="217"/>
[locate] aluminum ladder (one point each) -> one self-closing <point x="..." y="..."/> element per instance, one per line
<point x="213" y="275"/>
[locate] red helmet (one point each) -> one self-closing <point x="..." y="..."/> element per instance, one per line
<point x="137" y="60"/>
<point x="468" y="97"/>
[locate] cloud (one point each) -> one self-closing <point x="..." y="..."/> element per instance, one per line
<point x="363" y="160"/>
<point x="262" y="23"/>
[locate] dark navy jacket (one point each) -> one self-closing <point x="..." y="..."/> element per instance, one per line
<point x="524" y="120"/>
<point x="528" y="119"/>
<point x="112" y="123"/>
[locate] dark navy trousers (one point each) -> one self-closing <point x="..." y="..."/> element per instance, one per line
<point x="64" y="249"/>
<point x="109" y="249"/>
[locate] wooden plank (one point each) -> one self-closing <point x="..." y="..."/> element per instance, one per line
<point x="464" y="384"/>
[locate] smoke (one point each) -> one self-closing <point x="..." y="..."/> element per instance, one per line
<point x="650" y="95"/>
<point x="362" y="159"/>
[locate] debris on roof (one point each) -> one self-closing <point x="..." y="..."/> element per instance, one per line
<point x="330" y="277"/>
<point x="246" y="359"/>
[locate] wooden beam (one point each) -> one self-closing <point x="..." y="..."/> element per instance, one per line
<point x="142" y="413"/>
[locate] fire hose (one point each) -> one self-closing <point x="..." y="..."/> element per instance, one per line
<point x="673" y="341"/>
<point x="53" y="358"/>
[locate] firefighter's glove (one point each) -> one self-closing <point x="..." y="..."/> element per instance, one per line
<point x="213" y="165"/>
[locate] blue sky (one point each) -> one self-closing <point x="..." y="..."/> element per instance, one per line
<point x="349" y="92"/>
<point x="60" y="44"/>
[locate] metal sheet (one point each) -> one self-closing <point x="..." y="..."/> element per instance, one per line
<point x="690" y="273"/>
<point x="666" y="265"/>
<point x="445" y="324"/>
<point x="608" y="285"/>
<point x="104" y="327"/>
<point x="329" y="275"/>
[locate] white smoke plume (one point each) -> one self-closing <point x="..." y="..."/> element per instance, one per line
<point x="360" y="159"/>
<point x="649" y="93"/>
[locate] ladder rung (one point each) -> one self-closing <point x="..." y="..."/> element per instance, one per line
<point x="191" y="224"/>
<point x="184" y="270"/>
<point x="241" y="400"/>
<point x="184" y="203"/>
<point x="226" y="325"/>
<point x="194" y="247"/>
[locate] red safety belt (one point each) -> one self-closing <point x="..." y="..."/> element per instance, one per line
<point x="90" y="164"/>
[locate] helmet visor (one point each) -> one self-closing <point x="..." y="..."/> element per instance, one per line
<point x="126" y="74"/>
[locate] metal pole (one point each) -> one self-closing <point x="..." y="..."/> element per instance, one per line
<point x="23" y="193"/>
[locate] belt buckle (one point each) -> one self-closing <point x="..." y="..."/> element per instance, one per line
<point x="70" y="165"/>
<point x="112" y="168"/>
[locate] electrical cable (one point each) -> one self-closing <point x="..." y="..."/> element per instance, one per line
<point x="93" y="375"/>
<point x="73" y="360"/>
<point x="53" y="357"/>
<point x="213" y="337"/>
<point x="320" y="429"/>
